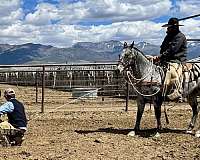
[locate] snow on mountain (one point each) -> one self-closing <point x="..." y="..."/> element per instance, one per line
<point x="82" y="51"/>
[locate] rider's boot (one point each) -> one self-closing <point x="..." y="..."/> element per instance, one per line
<point x="176" y="95"/>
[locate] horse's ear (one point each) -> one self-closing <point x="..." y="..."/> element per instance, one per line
<point x="125" y="45"/>
<point x="132" y="44"/>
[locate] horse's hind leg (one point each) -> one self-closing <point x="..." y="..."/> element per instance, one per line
<point x="157" y="107"/>
<point x="195" y="110"/>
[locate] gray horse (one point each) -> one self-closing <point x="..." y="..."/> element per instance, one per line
<point x="147" y="80"/>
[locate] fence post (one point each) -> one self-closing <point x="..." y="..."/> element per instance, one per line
<point x="43" y="86"/>
<point x="36" y="86"/>
<point x="102" y="86"/>
<point x="71" y="77"/>
<point x="127" y="96"/>
<point x="95" y="74"/>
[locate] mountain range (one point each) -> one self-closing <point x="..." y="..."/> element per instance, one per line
<point x="81" y="52"/>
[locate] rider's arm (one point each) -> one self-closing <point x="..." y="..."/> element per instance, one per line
<point x="6" y="108"/>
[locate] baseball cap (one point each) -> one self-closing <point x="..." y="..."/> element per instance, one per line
<point x="9" y="92"/>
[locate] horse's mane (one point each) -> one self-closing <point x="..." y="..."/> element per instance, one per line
<point x="140" y="52"/>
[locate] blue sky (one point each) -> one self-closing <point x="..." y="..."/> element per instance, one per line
<point x="62" y="23"/>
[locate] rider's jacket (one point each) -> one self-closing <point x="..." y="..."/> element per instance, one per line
<point x="173" y="48"/>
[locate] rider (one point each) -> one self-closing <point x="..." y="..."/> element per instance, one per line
<point x="174" y="46"/>
<point x="173" y="49"/>
<point x="16" y="117"/>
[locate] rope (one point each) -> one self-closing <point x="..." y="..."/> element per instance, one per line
<point x="149" y="72"/>
<point x="141" y="79"/>
<point x="145" y="95"/>
<point x="75" y="99"/>
<point x="68" y="103"/>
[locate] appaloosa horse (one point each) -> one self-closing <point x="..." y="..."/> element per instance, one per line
<point x="147" y="80"/>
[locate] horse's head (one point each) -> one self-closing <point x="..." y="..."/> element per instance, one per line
<point x="127" y="57"/>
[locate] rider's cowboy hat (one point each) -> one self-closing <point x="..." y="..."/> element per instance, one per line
<point x="172" y="22"/>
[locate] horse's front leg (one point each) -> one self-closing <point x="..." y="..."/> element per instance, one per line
<point x="140" y="110"/>
<point x="195" y="110"/>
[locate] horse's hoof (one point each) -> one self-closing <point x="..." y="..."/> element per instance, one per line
<point x="157" y="135"/>
<point x="131" y="134"/>
<point x="197" y="134"/>
<point x="189" y="132"/>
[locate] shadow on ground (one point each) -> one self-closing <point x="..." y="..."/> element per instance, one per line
<point x="142" y="133"/>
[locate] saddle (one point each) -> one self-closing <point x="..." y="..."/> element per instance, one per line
<point x="187" y="67"/>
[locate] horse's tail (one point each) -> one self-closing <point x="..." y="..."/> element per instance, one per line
<point x="192" y="80"/>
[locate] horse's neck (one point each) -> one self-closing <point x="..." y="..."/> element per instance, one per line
<point x="143" y="65"/>
<point x="146" y="68"/>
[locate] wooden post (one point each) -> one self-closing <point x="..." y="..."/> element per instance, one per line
<point x="127" y="96"/>
<point x="43" y="86"/>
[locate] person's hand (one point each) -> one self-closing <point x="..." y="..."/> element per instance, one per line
<point x="156" y="59"/>
<point x="149" y="57"/>
<point x="153" y="58"/>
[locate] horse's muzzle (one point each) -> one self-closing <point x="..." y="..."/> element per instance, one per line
<point x="120" y="68"/>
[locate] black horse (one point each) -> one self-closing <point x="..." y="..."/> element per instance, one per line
<point x="147" y="80"/>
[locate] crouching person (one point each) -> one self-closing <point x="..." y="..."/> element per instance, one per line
<point x="17" y="121"/>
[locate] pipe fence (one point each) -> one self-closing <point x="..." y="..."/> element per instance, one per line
<point x="57" y="85"/>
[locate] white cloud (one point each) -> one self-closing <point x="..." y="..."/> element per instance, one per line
<point x="98" y="10"/>
<point x="43" y="15"/>
<point x="129" y="20"/>
<point x="7" y="6"/>
<point x="118" y="10"/>
<point x="189" y="7"/>
<point x="191" y="28"/>
<point x="65" y="35"/>
<point x="10" y="12"/>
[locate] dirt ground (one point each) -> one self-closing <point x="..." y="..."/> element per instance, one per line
<point x="91" y="130"/>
